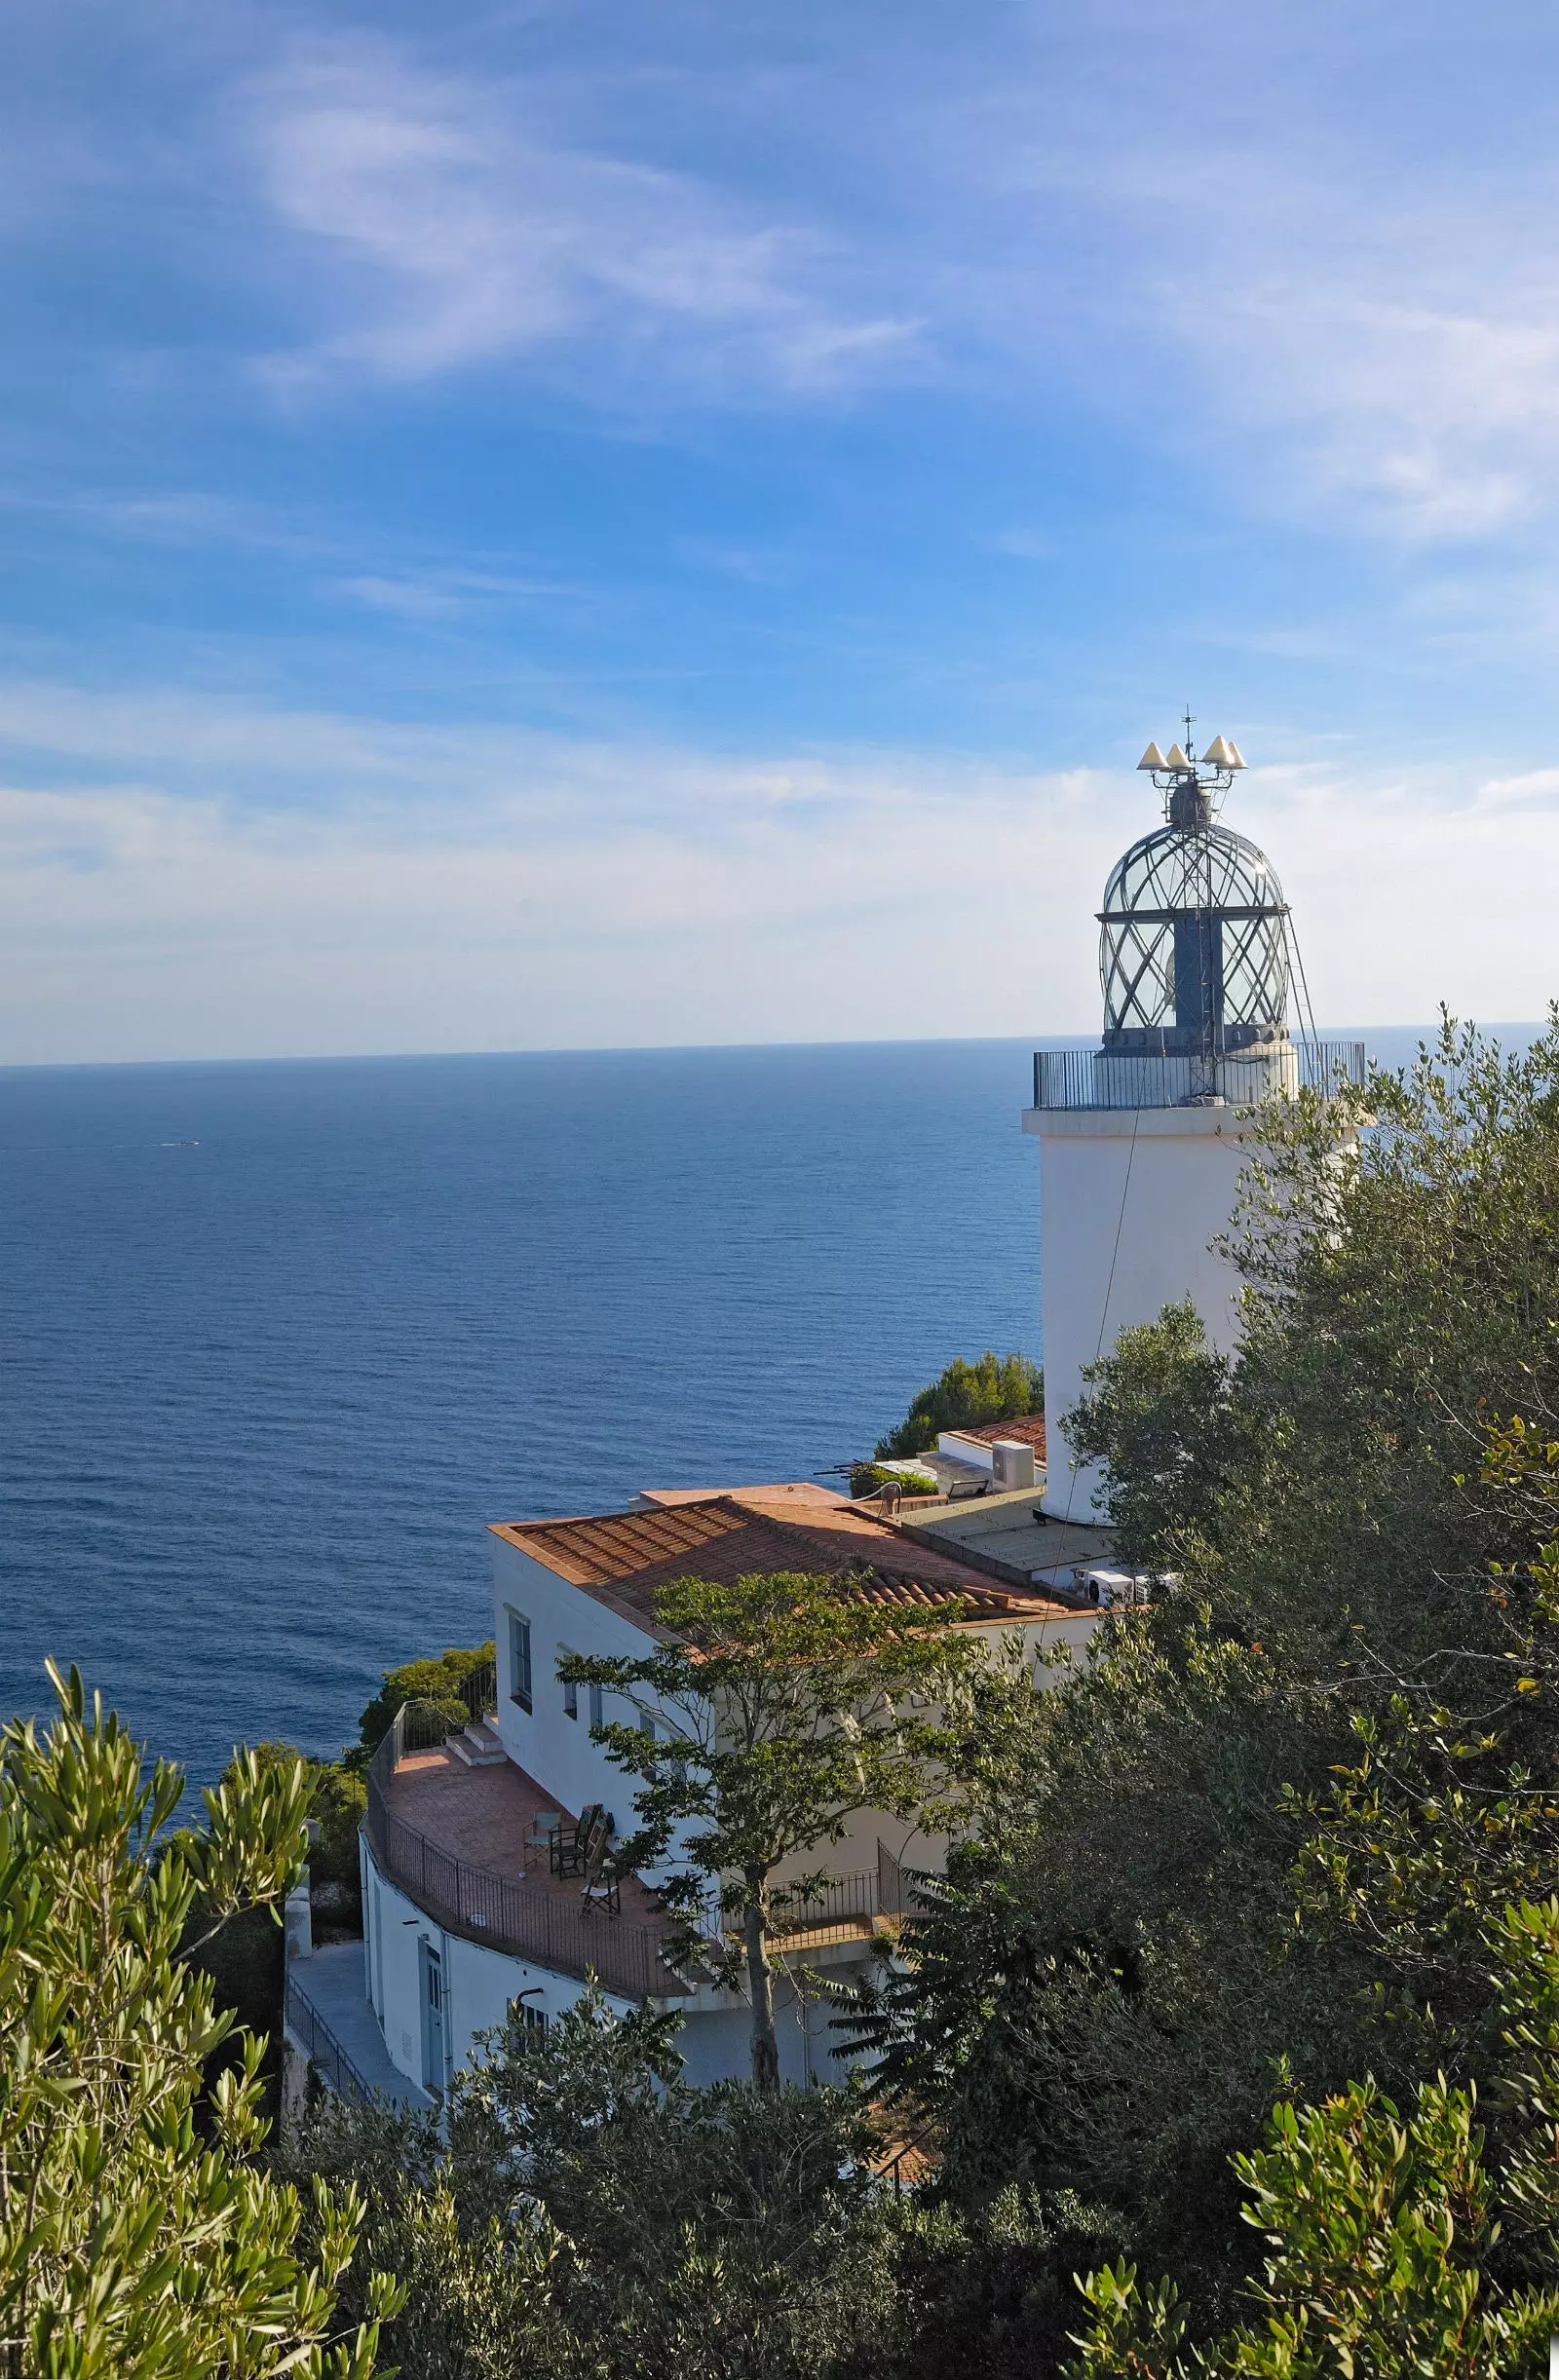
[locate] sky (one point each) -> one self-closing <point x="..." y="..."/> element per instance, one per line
<point x="601" y="524"/>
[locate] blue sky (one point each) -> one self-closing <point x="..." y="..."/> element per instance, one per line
<point x="598" y="524"/>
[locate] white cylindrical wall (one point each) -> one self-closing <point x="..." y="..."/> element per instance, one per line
<point x="1129" y="1203"/>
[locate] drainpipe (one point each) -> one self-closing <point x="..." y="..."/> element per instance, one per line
<point x="446" y="1964"/>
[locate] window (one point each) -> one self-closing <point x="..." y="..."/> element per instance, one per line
<point x="570" y="1699"/>
<point x="647" y="1725"/>
<point x="532" y="2024"/>
<point x="520" y="1660"/>
<point x="597" y="1706"/>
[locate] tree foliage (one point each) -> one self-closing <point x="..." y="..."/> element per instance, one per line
<point x="1262" y="1830"/>
<point x="135" y="2237"/>
<point x="992" y="1388"/>
<point x="583" y="2213"/>
<point x="780" y="1707"/>
<point x="1383" y="2230"/>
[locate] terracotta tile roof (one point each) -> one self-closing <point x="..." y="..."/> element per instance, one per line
<point x="593" y="1549"/>
<point x="1027" y="1428"/>
<point x="622" y="1559"/>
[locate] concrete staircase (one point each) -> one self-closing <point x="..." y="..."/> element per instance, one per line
<point x="480" y="1745"/>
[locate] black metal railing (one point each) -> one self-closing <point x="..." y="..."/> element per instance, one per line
<point x="525" y="1920"/>
<point x="480" y="1691"/>
<point x="911" y="2161"/>
<point x="325" y="2055"/>
<point x="848" y="1901"/>
<point x="1128" y="1080"/>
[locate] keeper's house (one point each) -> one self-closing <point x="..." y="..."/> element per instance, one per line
<point x="482" y="1870"/>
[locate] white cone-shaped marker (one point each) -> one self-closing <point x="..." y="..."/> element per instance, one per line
<point x="1152" y="758"/>
<point x="1236" y="759"/>
<point x="1174" y="758"/>
<point x="1218" y="754"/>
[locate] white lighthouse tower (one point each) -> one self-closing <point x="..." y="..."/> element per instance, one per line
<point x="1141" y="1140"/>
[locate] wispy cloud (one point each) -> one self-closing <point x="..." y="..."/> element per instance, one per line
<point x="452" y="229"/>
<point x="446" y="594"/>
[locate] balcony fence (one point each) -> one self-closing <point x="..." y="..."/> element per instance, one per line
<point x="530" y="1921"/>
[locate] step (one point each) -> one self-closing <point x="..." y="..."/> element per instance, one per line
<point x="478" y="1746"/>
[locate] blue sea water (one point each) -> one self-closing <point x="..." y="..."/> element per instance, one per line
<point x="279" y="1338"/>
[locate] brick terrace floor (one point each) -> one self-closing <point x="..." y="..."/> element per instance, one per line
<point x="483" y="1816"/>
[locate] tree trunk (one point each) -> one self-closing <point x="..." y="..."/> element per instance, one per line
<point x="760" y="1980"/>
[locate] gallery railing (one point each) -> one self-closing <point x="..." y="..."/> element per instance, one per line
<point x="1116" y="1078"/>
<point x="527" y="1920"/>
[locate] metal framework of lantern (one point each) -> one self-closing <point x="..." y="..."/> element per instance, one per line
<point x="1198" y="965"/>
<point x="1194" y="944"/>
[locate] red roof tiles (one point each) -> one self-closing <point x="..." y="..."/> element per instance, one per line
<point x="623" y="1557"/>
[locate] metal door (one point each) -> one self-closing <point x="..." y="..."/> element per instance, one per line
<point x="432" y="2018"/>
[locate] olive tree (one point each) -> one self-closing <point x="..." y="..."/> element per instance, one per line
<point x="791" y="1703"/>
<point x="137" y="2231"/>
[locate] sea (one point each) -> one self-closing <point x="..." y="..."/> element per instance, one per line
<point x="278" y="1340"/>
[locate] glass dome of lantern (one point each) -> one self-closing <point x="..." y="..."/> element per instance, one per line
<point x="1194" y="939"/>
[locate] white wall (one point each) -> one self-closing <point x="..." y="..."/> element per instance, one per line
<point x="478" y="1983"/>
<point x="972" y="1451"/>
<point x="552" y="1747"/>
<point x="1128" y="1204"/>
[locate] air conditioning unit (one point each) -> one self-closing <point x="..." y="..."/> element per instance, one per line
<point x="1109" y="1588"/>
<point x="1011" y="1464"/>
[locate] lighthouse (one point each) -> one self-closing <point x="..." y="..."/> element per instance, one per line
<point x="1142" y="1138"/>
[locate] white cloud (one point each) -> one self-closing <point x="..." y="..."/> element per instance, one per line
<point x="1331" y="304"/>
<point x="202" y="878"/>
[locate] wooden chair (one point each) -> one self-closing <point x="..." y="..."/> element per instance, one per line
<point x="569" y="1844"/>
<point x="602" y="1887"/>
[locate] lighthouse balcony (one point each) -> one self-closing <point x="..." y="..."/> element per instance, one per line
<point x="1115" y="1077"/>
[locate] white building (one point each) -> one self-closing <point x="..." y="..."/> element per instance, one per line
<point x="1142" y="1139"/>
<point x="461" y="1911"/>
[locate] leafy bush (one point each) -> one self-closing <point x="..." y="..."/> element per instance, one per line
<point x="1382" y="2229"/>
<point x="338" y="1797"/>
<point x="727" y="2233"/>
<point x="865" y="1478"/>
<point x="993" y="1388"/>
<point x="437" y="1681"/>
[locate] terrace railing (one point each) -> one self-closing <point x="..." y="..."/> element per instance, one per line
<point x="325" y="2055"/>
<point x="527" y="1920"/>
<point x="845" y="1903"/>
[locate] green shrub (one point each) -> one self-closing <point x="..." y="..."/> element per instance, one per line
<point x="865" y="1478"/>
<point x="994" y="1388"/>
<point x="437" y="1681"/>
